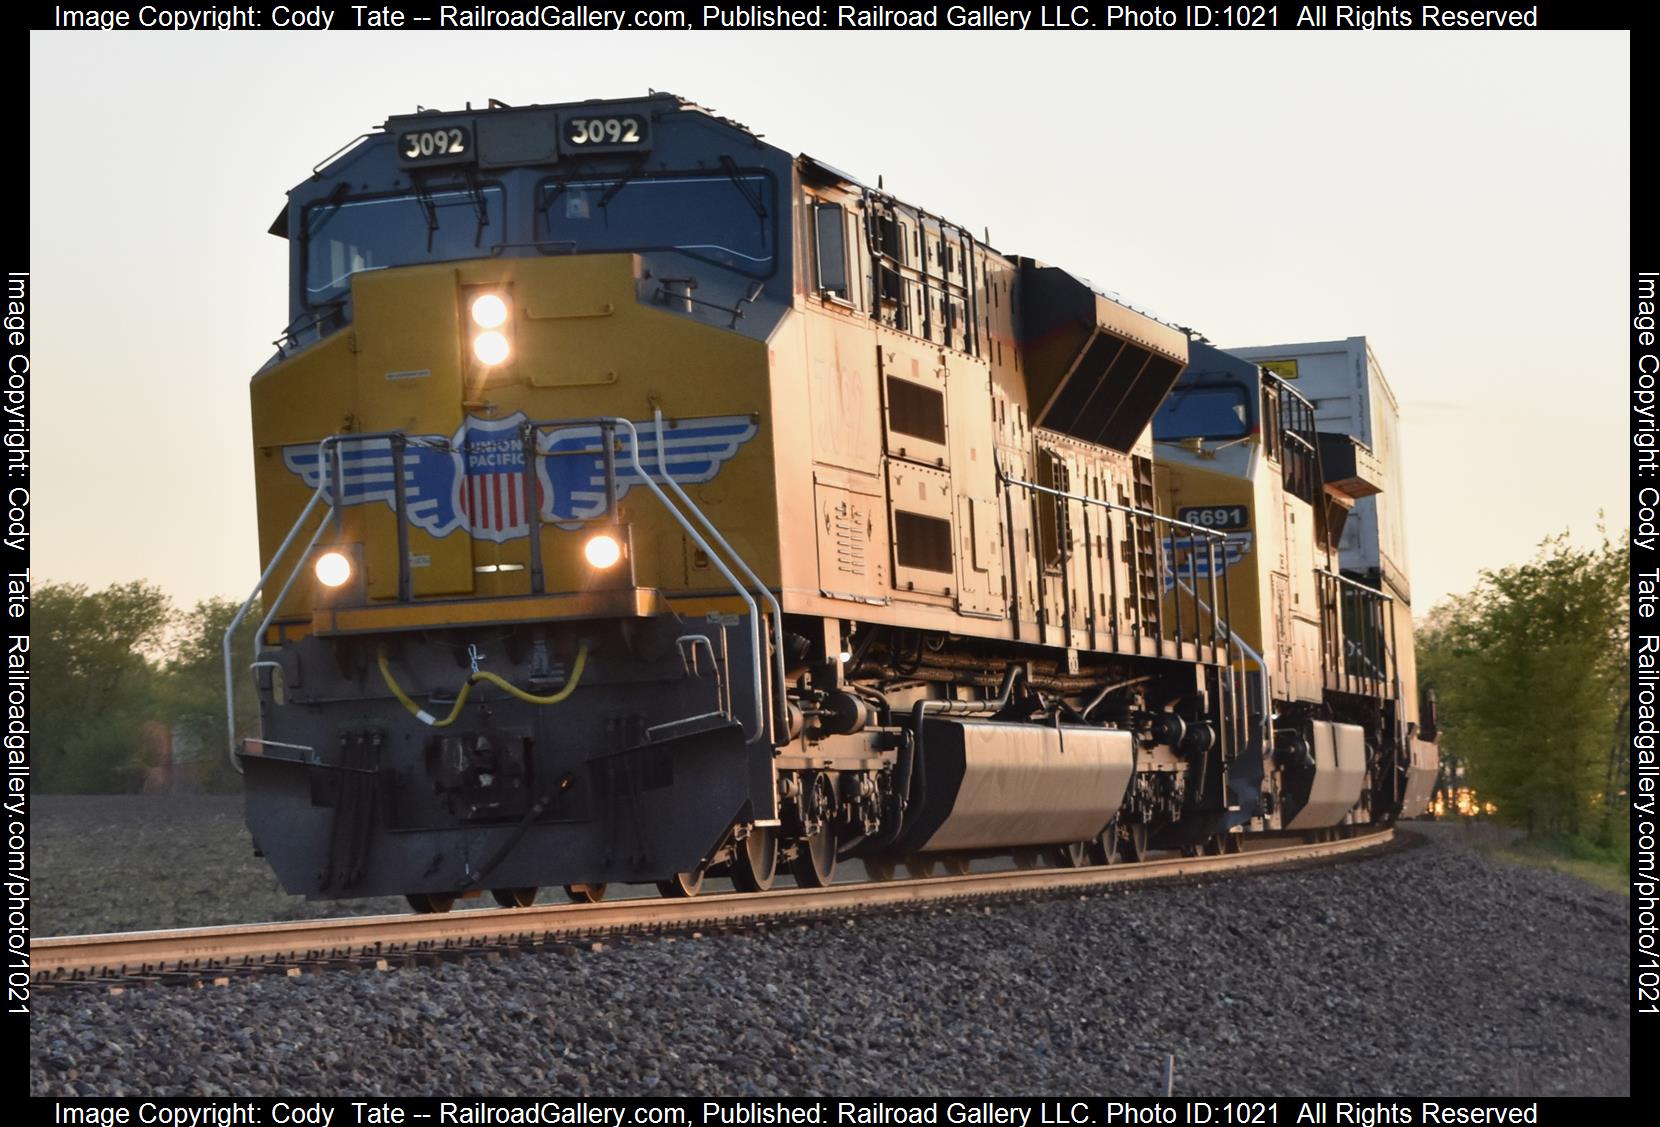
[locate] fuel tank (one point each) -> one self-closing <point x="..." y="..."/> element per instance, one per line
<point x="1420" y="778"/>
<point x="1339" y="773"/>
<point x="981" y="784"/>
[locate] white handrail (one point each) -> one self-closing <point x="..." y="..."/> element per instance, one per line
<point x="781" y="724"/>
<point x="714" y="558"/>
<point x="324" y="485"/>
<point x="1247" y="651"/>
<point x="265" y="577"/>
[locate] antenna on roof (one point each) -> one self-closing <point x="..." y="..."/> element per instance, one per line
<point x="498" y="104"/>
<point x="878" y="181"/>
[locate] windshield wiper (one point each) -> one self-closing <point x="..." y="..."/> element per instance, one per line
<point x="481" y="208"/>
<point x="556" y="189"/>
<point x="423" y="196"/>
<point x="327" y="209"/>
<point x="622" y="182"/>
<point x="429" y="208"/>
<point x="752" y="195"/>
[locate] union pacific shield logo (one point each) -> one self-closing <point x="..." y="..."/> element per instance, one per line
<point x="475" y="479"/>
<point x="492" y="487"/>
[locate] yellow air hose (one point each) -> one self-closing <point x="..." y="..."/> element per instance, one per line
<point x="502" y="683"/>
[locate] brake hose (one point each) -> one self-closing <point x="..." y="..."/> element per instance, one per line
<point x="474" y="678"/>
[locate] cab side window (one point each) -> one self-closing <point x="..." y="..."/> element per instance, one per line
<point x="1270" y="421"/>
<point x="830" y="230"/>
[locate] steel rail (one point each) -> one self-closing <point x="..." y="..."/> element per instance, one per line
<point x="203" y="951"/>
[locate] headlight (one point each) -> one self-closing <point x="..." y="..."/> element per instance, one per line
<point x="489" y="311"/>
<point x="490" y="348"/>
<point x="602" y="551"/>
<point x="333" y="569"/>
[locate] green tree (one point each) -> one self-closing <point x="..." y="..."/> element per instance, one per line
<point x="196" y="690"/>
<point x="1530" y="672"/>
<point x="95" y="682"/>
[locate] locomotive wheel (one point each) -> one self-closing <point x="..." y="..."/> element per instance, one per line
<point x="1026" y="858"/>
<point x="1233" y="843"/>
<point x="878" y="868"/>
<point x="1133" y="845"/>
<point x="954" y="865"/>
<point x="682" y="886"/>
<point x="815" y="861"/>
<point x="585" y="893"/>
<point x="1072" y="856"/>
<point x="1104" y="849"/>
<point x="1214" y="845"/>
<point x="431" y="903"/>
<point x="755" y="861"/>
<point x="514" y="897"/>
<point x="921" y="865"/>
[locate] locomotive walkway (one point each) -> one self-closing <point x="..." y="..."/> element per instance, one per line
<point x="215" y="955"/>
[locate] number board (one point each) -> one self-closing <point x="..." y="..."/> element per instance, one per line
<point x="1216" y="516"/>
<point x="604" y="133"/>
<point x="437" y="144"/>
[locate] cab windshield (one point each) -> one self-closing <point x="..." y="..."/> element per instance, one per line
<point x="1203" y="411"/>
<point x="724" y="219"/>
<point x="346" y="236"/>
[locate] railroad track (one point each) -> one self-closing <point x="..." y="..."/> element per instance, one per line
<point x="217" y="955"/>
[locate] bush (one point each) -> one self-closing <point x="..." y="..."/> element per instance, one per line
<point x="94" y="682"/>
<point x="110" y="664"/>
<point x="1530" y="672"/>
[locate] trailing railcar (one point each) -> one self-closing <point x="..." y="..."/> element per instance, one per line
<point x="639" y="501"/>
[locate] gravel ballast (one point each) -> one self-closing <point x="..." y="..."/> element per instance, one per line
<point x="1427" y="971"/>
<point x="140" y="863"/>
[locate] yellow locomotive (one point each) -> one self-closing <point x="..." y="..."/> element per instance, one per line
<point x="640" y="502"/>
<point x="1329" y="639"/>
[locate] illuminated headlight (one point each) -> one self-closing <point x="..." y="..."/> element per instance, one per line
<point x="333" y="569"/>
<point x="602" y="551"/>
<point x="490" y="348"/>
<point x="489" y="311"/>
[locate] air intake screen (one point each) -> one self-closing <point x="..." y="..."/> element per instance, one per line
<point x="916" y="410"/>
<point x="922" y="542"/>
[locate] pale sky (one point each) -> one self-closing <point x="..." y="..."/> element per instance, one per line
<point x="1461" y="199"/>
